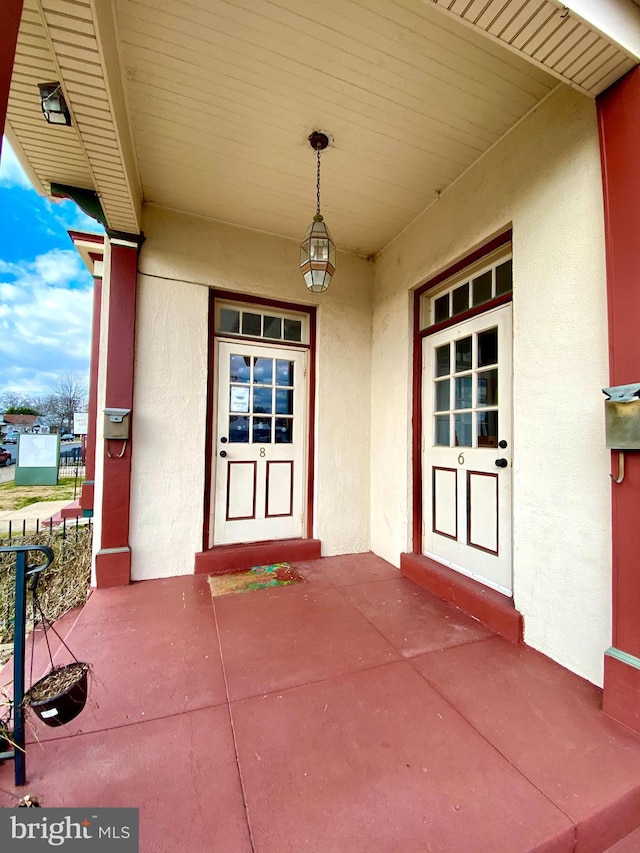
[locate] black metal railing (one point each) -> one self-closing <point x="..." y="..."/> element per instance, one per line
<point x="12" y="530"/>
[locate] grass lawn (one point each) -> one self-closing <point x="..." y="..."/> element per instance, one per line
<point x="17" y="497"/>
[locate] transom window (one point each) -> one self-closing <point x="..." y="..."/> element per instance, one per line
<point x="255" y="322"/>
<point x="474" y="287"/>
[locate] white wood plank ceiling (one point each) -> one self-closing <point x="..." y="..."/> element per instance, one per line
<point x="205" y="106"/>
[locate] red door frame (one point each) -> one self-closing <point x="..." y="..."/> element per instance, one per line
<point x="211" y="386"/>
<point x="619" y="122"/>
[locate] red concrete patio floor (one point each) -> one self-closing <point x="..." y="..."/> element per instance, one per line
<point x="354" y="712"/>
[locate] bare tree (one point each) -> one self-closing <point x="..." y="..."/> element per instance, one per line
<point x="67" y="396"/>
<point x="10" y="400"/>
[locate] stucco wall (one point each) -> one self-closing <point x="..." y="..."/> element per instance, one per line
<point x="544" y="178"/>
<point x="182" y="257"/>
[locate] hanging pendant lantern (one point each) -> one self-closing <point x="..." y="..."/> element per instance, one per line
<point x="317" y="250"/>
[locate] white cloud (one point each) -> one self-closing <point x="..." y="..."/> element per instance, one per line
<point x="45" y="321"/>
<point x="11" y="172"/>
<point x="68" y="214"/>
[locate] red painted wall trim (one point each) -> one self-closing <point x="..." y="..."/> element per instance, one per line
<point x="418" y="335"/>
<point x="211" y="383"/>
<point x="88" y="237"/>
<point x="10" y="15"/>
<point x="119" y="393"/>
<point x="86" y="499"/>
<point x="619" y="122"/>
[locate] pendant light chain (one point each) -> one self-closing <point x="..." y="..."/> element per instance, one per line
<point x="318" y="184"/>
<point x="317" y="250"/>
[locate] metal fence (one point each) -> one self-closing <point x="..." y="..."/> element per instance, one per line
<point x="73" y="466"/>
<point x="13" y="531"/>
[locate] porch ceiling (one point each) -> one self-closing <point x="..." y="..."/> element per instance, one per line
<point x="205" y="106"/>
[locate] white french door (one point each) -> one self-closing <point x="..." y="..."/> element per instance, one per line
<point x="260" y="443"/>
<point x="466" y="447"/>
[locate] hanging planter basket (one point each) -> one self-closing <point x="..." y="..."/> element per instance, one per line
<point x="59" y="697"/>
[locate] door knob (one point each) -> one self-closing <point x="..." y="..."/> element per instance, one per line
<point x="502" y="444"/>
<point x="501" y="463"/>
<point x="223" y="453"/>
<point x="224" y="439"/>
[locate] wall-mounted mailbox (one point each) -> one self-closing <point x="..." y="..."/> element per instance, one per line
<point x="116" y="424"/>
<point x="622" y="417"/>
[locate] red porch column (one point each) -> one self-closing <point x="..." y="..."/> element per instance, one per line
<point x="10" y="14"/>
<point x="86" y="495"/>
<point x="113" y="560"/>
<point x="619" y="123"/>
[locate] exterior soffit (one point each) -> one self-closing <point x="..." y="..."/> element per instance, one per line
<point x="73" y="41"/>
<point x="77" y="42"/>
<point x="588" y="44"/>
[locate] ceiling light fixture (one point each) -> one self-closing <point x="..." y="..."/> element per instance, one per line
<point x="317" y="250"/>
<point x="53" y="104"/>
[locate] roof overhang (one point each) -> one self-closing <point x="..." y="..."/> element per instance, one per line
<point x="206" y="108"/>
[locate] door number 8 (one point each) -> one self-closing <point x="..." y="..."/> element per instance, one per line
<point x="263" y="452"/>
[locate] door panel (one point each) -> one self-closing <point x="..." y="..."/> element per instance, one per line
<point x="466" y="462"/>
<point x="260" y="446"/>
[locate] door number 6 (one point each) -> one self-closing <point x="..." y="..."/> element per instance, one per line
<point x="461" y="459"/>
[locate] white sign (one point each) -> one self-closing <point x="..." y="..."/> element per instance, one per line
<point x="80" y="423"/>
<point x="239" y="399"/>
<point x="38" y="451"/>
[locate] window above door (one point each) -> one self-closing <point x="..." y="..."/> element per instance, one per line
<point x="257" y="322"/>
<point x="469" y="290"/>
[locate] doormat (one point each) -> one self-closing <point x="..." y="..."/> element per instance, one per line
<point x="258" y="577"/>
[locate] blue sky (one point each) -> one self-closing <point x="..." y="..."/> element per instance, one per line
<point x="45" y="288"/>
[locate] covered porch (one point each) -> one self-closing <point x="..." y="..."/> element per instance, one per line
<point x="354" y="711"/>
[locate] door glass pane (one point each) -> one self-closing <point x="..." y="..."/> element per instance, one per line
<point x="488" y="347"/>
<point x="460" y="299"/>
<point x="463" y="392"/>
<point x="262" y="430"/>
<point x="262" y="400"/>
<point x="263" y="371"/>
<point x="251" y="324"/>
<point x="239" y="370"/>
<point x="292" y="330"/>
<point x="284" y="372"/>
<point x="482" y="288"/>
<point x="238" y="429"/>
<point x="463" y="355"/>
<point x="272" y="327"/>
<point x="441" y="438"/>
<point x="284" y="402"/>
<point x="284" y="430"/>
<point x="229" y="321"/>
<point x="463" y="430"/>
<point x="504" y="277"/>
<point x="488" y="388"/>
<point x="442" y="395"/>
<point x="441" y="309"/>
<point x="487" y="429"/>
<point x="443" y="360"/>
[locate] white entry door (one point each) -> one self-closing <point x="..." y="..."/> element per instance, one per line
<point x="260" y="444"/>
<point x="466" y="448"/>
